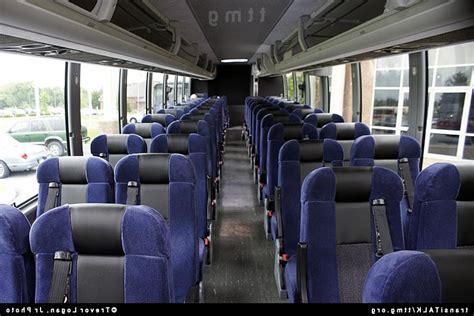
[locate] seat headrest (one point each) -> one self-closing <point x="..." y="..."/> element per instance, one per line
<point x="101" y="229"/>
<point x="293" y="131"/>
<point x="431" y="179"/>
<point x="163" y="119"/>
<point x="431" y="276"/>
<point x="403" y="277"/>
<point x="145" y="130"/>
<point x="325" y="118"/>
<point x="96" y="228"/>
<point x="178" y="143"/>
<point x="466" y="176"/>
<point x="386" y="146"/>
<point x="303" y="112"/>
<point x="263" y="112"/>
<point x="353" y="184"/>
<point x="344" y="131"/>
<point x="189" y="127"/>
<point x="311" y="150"/>
<point x="455" y="272"/>
<point x="117" y="144"/>
<point x="72" y="170"/>
<point x="154" y="168"/>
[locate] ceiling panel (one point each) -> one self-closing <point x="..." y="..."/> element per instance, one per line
<point x="237" y="28"/>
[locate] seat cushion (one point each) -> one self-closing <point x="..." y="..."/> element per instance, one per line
<point x="202" y="250"/>
<point x="274" y="227"/>
<point x="290" y="278"/>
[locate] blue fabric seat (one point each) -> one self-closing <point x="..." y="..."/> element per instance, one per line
<point x="338" y="231"/>
<point x="163" y="119"/>
<point x="278" y="134"/>
<point x="345" y="134"/>
<point x="251" y="111"/>
<point x="147" y="131"/>
<point x="210" y="120"/>
<point x="297" y="158"/>
<point x="176" y="112"/>
<point x="257" y="138"/>
<point x="433" y="276"/>
<point x="267" y="122"/>
<point x="16" y="260"/>
<point x="120" y="254"/>
<point x="193" y="146"/>
<point x="442" y="216"/>
<point x="113" y="147"/>
<point x="200" y="127"/>
<point x="399" y="153"/>
<point x="325" y="118"/>
<point x="166" y="183"/>
<point x="74" y="180"/>
<point x="302" y="112"/>
<point x="263" y="109"/>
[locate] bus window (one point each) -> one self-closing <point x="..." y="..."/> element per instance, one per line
<point x="136" y="95"/>
<point x="301" y="88"/>
<point x="32" y="124"/>
<point x="315" y="90"/>
<point x="187" y="88"/>
<point x="157" y="94"/>
<point x="170" y="90"/>
<point x="340" y="91"/>
<point x="179" y="90"/>
<point x="385" y="91"/>
<point x="99" y="101"/>
<point x="450" y="109"/>
<point x="291" y="86"/>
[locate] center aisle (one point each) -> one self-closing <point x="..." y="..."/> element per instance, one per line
<point x="242" y="270"/>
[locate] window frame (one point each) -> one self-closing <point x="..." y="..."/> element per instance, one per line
<point x="462" y="133"/>
<point x="399" y="129"/>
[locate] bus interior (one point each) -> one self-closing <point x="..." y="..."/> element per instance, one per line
<point x="236" y="151"/>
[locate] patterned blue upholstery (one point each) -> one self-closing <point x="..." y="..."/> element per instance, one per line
<point x="163" y="119"/>
<point x="392" y="152"/>
<point x="345" y="134"/>
<point x="433" y="276"/>
<point x="266" y="123"/>
<point x="338" y="227"/>
<point x="16" y="261"/>
<point x="113" y="147"/>
<point x="277" y="136"/>
<point x="120" y="254"/>
<point x="81" y="180"/>
<point x="442" y="215"/>
<point x="166" y="182"/>
<point x="146" y="130"/>
<point x="176" y="112"/>
<point x="195" y="147"/>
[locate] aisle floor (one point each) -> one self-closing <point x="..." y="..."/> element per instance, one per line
<point x="242" y="270"/>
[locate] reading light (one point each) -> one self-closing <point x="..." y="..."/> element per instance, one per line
<point x="234" y="60"/>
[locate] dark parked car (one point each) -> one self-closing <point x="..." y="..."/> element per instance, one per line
<point x="50" y="132"/>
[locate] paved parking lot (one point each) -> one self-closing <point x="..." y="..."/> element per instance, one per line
<point x="18" y="187"/>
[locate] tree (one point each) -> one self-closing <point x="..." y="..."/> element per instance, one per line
<point x="96" y="97"/>
<point x="19" y="95"/>
<point x="84" y="98"/>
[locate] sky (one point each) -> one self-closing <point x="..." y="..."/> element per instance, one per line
<point x="48" y="72"/>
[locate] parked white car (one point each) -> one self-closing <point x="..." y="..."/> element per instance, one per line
<point x="15" y="156"/>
